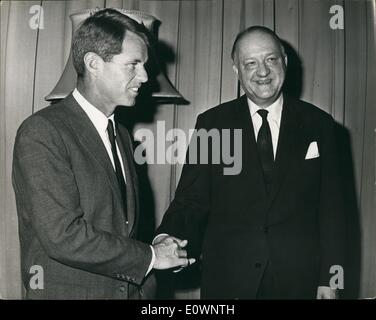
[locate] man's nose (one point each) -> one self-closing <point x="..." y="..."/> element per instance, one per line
<point x="263" y="70"/>
<point x="142" y="75"/>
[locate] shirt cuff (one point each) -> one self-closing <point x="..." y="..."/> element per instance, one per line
<point x="152" y="261"/>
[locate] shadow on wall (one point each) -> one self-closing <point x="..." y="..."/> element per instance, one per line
<point x="293" y="87"/>
<point x="353" y="237"/>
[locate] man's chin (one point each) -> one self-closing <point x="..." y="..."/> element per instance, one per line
<point x="127" y="103"/>
<point x="265" y="100"/>
<point x="266" y="94"/>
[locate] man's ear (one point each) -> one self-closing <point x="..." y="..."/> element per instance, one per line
<point x="93" y="63"/>
<point x="285" y="59"/>
<point x="235" y="68"/>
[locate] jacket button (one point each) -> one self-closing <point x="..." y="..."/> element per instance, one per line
<point x="257" y="265"/>
<point x="122" y="289"/>
<point x="266" y="229"/>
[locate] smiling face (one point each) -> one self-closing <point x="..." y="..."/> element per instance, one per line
<point x="119" y="80"/>
<point x="261" y="67"/>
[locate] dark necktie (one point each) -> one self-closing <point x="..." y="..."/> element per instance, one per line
<point x="265" y="149"/>
<point x="118" y="171"/>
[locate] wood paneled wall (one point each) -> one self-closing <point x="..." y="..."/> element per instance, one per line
<point x="333" y="69"/>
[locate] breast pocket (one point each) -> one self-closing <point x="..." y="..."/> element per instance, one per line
<point x="311" y="164"/>
<point x="307" y="179"/>
<point x="308" y="169"/>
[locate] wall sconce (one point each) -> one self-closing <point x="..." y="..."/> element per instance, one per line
<point x="159" y="86"/>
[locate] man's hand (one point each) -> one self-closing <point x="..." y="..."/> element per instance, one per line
<point x="326" y="293"/>
<point x="169" y="253"/>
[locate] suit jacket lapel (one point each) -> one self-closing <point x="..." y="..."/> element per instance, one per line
<point x="91" y="140"/>
<point x="125" y="146"/>
<point x="289" y="144"/>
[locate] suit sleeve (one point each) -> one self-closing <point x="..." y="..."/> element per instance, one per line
<point x="331" y="207"/>
<point x="188" y="212"/>
<point x="48" y="200"/>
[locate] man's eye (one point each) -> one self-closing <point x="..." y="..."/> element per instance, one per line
<point x="272" y="59"/>
<point x="250" y="64"/>
<point x="132" y="65"/>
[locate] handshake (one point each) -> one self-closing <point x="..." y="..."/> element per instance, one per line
<point x="169" y="253"/>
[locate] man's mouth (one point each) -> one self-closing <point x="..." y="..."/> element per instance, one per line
<point x="263" y="82"/>
<point x="134" y="89"/>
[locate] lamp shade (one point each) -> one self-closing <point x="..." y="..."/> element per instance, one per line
<point x="160" y="87"/>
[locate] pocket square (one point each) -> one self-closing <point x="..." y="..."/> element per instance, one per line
<point x="313" y="151"/>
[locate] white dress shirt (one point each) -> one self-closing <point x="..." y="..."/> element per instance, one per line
<point x="274" y="119"/>
<point x="100" y="122"/>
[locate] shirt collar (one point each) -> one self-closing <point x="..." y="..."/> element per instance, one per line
<point x="275" y="109"/>
<point x="97" y="117"/>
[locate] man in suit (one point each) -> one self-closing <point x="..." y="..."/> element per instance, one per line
<point x="75" y="182"/>
<point x="275" y="230"/>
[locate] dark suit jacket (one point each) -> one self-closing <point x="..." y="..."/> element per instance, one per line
<point x="71" y="216"/>
<point x="298" y="228"/>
